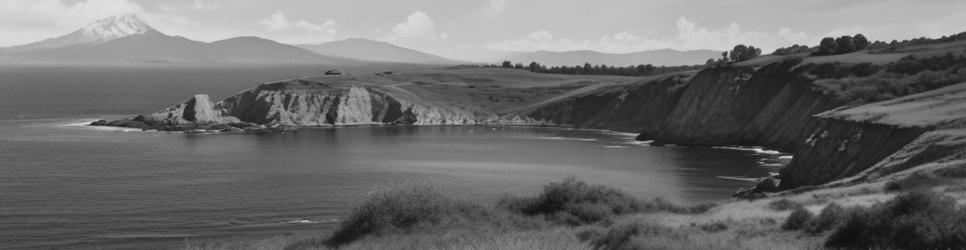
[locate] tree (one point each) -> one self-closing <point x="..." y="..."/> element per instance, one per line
<point x="534" y="66"/>
<point x="844" y="44"/>
<point x="709" y="62"/>
<point x="507" y="64"/>
<point x="738" y="52"/>
<point x="826" y="46"/>
<point x="724" y="56"/>
<point x="860" y="42"/>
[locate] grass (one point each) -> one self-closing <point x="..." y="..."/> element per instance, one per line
<point x="571" y="214"/>
<point x="418" y="209"/>
<point x="783" y="205"/>
<point x="574" y="202"/>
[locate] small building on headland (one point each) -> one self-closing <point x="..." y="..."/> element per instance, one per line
<point x="333" y="72"/>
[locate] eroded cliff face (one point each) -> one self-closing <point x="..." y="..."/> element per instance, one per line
<point x="767" y="105"/>
<point x="837" y="149"/>
<point x="311" y="103"/>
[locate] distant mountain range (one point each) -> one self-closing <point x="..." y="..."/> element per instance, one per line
<point x="124" y="39"/>
<point x="127" y="39"/>
<point x="666" y="57"/>
<point x="369" y="50"/>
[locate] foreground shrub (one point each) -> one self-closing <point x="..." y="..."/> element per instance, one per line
<point x="623" y="236"/>
<point x="783" y="204"/>
<point x="402" y="209"/>
<point x="797" y="219"/>
<point x="831" y="215"/>
<point x="916" y="220"/>
<point x="575" y="202"/>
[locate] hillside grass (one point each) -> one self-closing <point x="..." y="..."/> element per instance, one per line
<point x="572" y="214"/>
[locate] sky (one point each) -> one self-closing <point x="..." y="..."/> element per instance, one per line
<point x="474" y="29"/>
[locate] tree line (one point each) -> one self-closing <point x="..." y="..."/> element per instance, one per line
<point x="599" y="69"/>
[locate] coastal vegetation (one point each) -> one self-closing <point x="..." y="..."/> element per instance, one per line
<point x="572" y="214"/>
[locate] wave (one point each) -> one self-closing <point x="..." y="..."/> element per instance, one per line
<point x="739" y="178"/>
<point x="614" y="146"/>
<point x="85" y="124"/>
<point x="757" y="150"/>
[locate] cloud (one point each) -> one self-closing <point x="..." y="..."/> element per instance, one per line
<point x="301" y="31"/>
<point x="495" y="8"/>
<point x="276" y="21"/>
<point x="688" y="36"/>
<point x="417" y="24"/>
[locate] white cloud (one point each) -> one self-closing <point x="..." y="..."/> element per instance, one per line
<point x="417" y="24"/>
<point x="689" y="36"/>
<point x="276" y="21"/>
<point x="301" y="31"/>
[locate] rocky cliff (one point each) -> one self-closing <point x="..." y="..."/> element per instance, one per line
<point x="770" y="103"/>
<point x="765" y="105"/>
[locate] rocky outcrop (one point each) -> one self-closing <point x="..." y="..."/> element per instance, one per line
<point x="311" y="102"/>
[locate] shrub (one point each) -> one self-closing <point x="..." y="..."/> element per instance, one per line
<point x="916" y="220"/>
<point x="400" y="209"/>
<point x="575" y="202"/>
<point x="783" y="204"/>
<point x="797" y="219"/>
<point x="915" y="181"/>
<point x="712" y="227"/>
<point x="621" y="236"/>
<point x="831" y="215"/>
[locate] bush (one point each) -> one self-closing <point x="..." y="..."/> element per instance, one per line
<point x="622" y="236"/>
<point x="916" y="220"/>
<point x="783" y="204"/>
<point x="712" y="227"/>
<point x="575" y="202"/>
<point x="915" y="181"/>
<point x="831" y="215"/>
<point x="797" y="219"/>
<point x="401" y="209"/>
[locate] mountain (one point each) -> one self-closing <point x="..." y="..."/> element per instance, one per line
<point x="369" y="50"/>
<point x="128" y="39"/>
<point x="667" y="57"/>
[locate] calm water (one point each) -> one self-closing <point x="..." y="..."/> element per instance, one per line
<point x="68" y="186"/>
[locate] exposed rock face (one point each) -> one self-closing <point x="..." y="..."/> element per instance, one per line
<point x="883" y="138"/>
<point x="767" y="105"/>
<point x="309" y="103"/>
<point x="837" y="149"/>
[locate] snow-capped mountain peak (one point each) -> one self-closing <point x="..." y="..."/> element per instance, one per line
<point x="97" y="32"/>
<point x="115" y="27"/>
